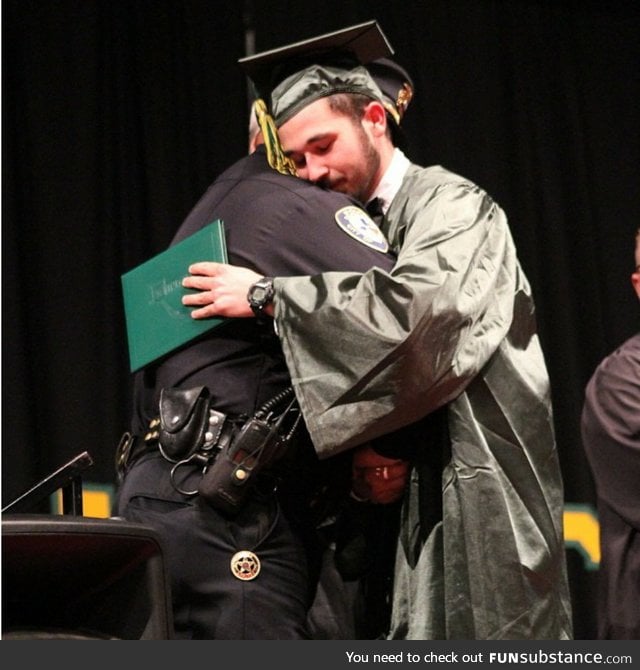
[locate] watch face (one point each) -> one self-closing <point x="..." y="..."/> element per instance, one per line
<point x="259" y="293"/>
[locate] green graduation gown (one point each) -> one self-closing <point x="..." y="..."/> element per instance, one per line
<point x="451" y="329"/>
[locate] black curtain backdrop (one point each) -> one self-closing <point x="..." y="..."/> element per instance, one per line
<point x="117" y="114"/>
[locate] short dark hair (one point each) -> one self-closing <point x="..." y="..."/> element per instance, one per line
<point x="349" y="104"/>
<point x="353" y="106"/>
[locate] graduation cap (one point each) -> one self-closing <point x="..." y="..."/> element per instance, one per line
<point x="293" y="76"/>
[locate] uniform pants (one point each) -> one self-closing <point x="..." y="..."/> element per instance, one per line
<point x="209" y="602"/>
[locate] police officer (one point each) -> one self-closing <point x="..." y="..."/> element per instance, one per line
<point x="249" y="574"/>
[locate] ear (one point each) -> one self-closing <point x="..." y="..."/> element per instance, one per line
<point x="635" y="281"/>
<point x="376" y="115"/>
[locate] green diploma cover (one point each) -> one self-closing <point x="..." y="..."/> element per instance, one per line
<point x="157" y="322"/>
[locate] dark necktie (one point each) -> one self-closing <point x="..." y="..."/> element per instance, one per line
<point x="374" y="210"/>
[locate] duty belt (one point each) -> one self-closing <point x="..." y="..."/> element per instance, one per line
<point x="233" y="452"/>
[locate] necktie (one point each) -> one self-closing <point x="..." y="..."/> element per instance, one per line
<point x="374" y="210"/>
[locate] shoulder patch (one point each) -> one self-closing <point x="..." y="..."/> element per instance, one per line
<point x="359" y="225"/>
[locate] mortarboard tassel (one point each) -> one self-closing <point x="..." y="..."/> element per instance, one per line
<point x="277" y="160"/>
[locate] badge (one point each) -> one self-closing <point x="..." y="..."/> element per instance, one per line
<point x="245" y="565"/>
<point x="359" y="225"/>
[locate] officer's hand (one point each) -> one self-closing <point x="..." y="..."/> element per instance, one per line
<point x="222" y="290"/>
<point x="376" y="478"/>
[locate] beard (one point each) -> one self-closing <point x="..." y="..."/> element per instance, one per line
<point x="362" y="173"/>
<point x="366" y="169"/>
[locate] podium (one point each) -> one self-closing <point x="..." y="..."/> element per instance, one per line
<point x="74" y="577"/>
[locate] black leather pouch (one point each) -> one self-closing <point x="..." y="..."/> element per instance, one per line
<point x="184" y="415"/>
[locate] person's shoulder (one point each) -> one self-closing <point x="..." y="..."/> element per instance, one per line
<point x="436" y="175"/>
<point x="252" y="176"/>
<point x="253" y="173"/>
<point x="633" y="344"/>
<point x="435" y="183"/>
<point x="622" y="362"/>
<point x="612" y="394"/>
<point x="304" y="191"/>
<point x="627" y="353"/>
<point x="246" y="165"/>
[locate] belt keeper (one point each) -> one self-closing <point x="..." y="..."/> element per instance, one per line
<point x="216" y="423"/>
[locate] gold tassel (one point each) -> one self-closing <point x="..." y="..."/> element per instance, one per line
<point x="276" y="157"/>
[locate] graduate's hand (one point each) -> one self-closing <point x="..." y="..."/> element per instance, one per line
<point x="376" y="478"/>
<point x="222" y="290"/>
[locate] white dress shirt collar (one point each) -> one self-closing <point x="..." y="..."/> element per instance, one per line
<point x="391" y="179"/>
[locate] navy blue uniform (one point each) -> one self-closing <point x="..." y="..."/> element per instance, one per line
<point x="278" y="226"/>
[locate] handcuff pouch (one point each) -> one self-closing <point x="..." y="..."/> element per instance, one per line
<point x="184" y="415"/>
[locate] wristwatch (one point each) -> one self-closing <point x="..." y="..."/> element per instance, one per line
<point x="260" y="295"/>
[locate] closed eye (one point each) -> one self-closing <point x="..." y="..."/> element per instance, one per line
<point x="322" y="147"/>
